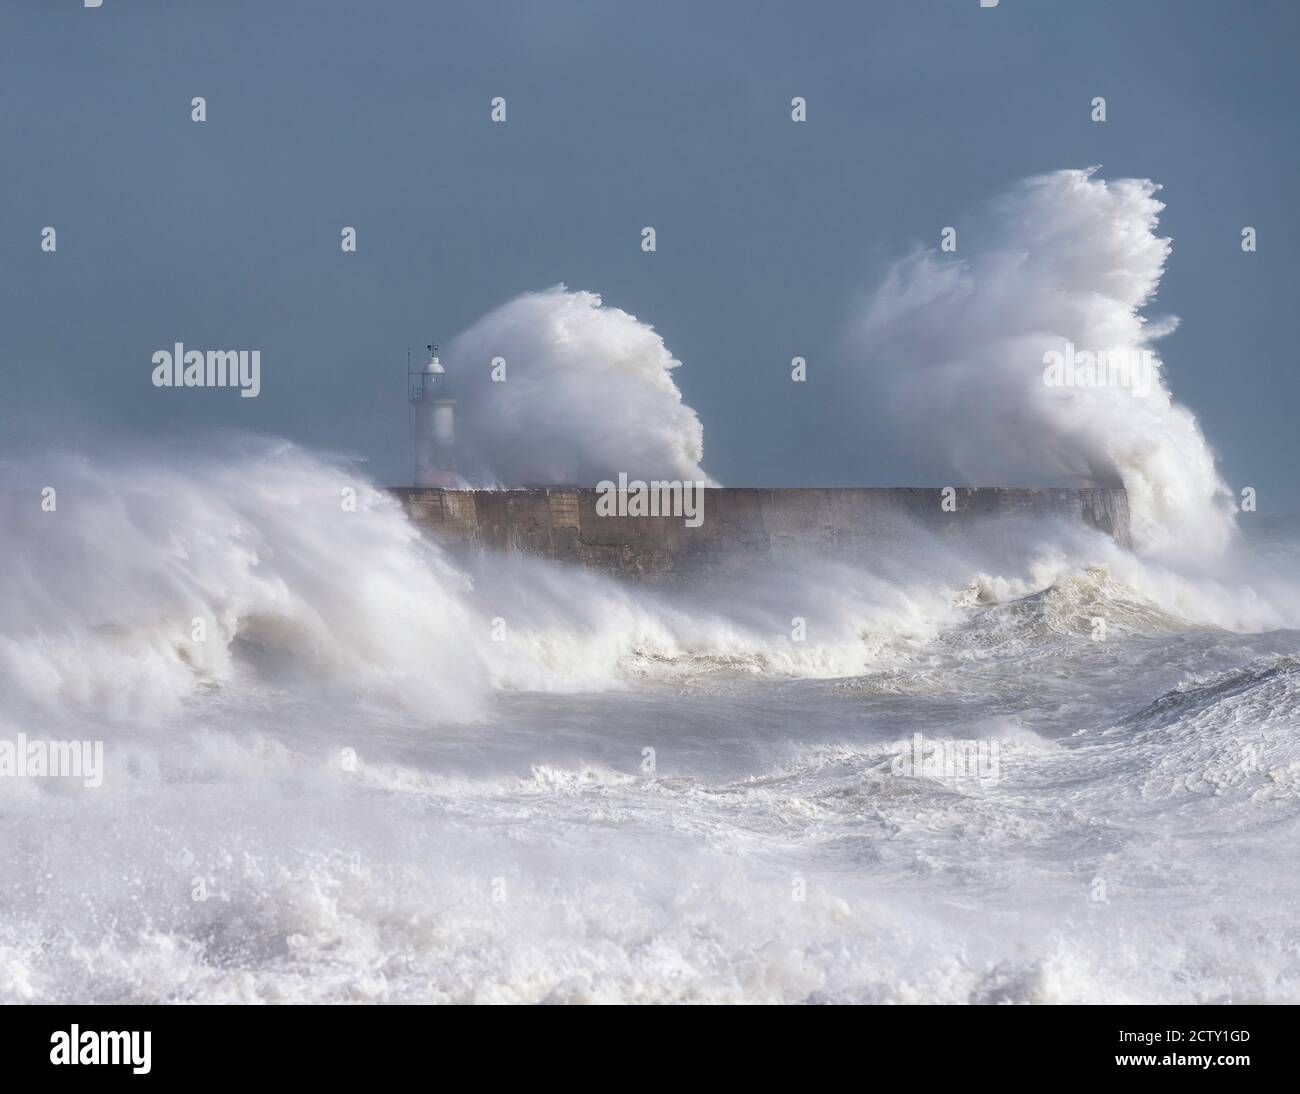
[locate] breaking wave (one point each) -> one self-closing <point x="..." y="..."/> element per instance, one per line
<point x="154" y="580"/>
<point x="582" y="391"/>
<point x="960" y="344"/>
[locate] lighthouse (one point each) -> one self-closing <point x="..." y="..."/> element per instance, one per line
<point x="435" y="424"/>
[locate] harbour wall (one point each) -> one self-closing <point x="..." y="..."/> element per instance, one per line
<point x="738" y="525"/>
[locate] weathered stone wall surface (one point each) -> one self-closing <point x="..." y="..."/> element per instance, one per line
<point x="738" y="525"/>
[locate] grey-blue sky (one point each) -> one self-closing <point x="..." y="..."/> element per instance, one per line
<point x="770" y="234"/>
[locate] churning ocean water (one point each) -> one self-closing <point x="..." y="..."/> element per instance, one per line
<point x="376" y="775"/>
<point x="1026" y="765"/>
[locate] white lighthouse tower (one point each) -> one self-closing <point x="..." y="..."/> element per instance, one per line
<point x="435" y="424"/>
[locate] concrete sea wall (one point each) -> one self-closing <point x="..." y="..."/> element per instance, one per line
<point x="738" y="525"/>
